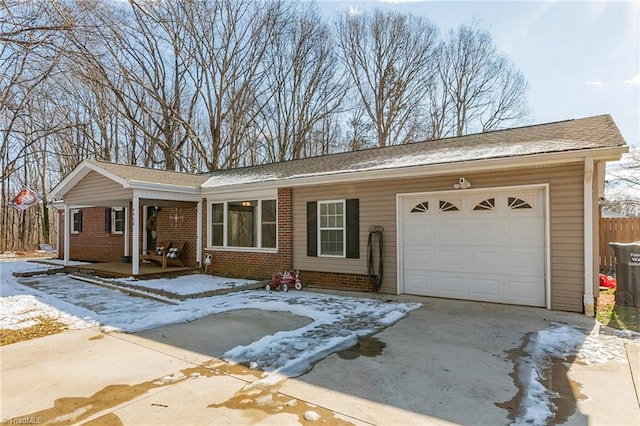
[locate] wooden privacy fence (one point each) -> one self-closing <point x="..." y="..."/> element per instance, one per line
<point x="616" y="230"/>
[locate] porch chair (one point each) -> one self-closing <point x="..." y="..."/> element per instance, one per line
<point x="175" y="252"/>
<point x="159" y="255"/>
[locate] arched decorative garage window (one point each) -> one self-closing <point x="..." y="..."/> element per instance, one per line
<point x="421" y="208"/>
<point x="518" y="203"/>
<point x="449" y="206"/>
<point x="488" y="204"/>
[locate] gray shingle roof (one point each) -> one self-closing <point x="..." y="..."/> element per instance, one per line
<point x="571" y="135"/>
<point x="143" y="174"/>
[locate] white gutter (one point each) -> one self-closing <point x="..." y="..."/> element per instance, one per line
<point x="588" y="300"/>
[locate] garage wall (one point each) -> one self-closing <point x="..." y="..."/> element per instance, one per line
<point x="378" y="207"/>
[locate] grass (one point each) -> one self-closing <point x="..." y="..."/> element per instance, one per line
<point x="619" y="317"/>
<point x="45" y="327"/>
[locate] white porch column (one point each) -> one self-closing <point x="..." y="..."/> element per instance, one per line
<point x="126" y="231"/>
<point x="58" y="231"/>
<point x="588" y="301"/>
<point x="135" y="213"/>
<point x="67" y="231"/>
<point x="199" y="234"/>
<point x="145" y="232"/>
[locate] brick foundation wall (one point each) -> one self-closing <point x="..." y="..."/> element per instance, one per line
<point x="254" y="265"/>
<point x="336" y="281"/>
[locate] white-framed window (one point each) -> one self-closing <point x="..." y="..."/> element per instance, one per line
<point x="331" y="228"/>
<point x="244" y="224"/>
<point x="269" y="224"/>
<point x="117" y="220"/>
<point x="76" y="221"/>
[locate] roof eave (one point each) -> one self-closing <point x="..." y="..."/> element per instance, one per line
<point x="135" y="184"/>
<point x="502" y="163"/>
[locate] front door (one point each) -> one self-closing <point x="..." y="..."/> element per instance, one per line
<point x="152" y="219"/>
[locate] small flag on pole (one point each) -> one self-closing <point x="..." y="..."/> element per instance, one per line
<point x="24" y="199"/>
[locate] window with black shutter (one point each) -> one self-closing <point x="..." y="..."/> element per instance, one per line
<point x="333" y="228"/>
<point x="107" y="219"/>
<point x="312" y="228"/>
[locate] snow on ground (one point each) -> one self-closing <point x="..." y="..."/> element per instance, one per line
<point x="558" y="342"/>
<point x="337" y="321"/>
<point x="189" y="284"/>
<point x="22" y="311"/>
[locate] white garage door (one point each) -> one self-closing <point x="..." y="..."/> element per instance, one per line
<point x="487" y="246"/>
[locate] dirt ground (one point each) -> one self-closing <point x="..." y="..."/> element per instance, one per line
<point x="619" y="317"/>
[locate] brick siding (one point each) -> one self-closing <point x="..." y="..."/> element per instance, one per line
<point x="254" y="265"/>
<point x="336" y="281"/>
<point x="93" y="244"/>
<point x="182" y="229"/>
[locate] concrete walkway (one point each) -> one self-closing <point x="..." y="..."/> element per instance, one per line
<point x="449" y="362"/>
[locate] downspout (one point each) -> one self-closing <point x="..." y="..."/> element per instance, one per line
<point x="135" y="260"/>
<point x="588" y="298"/>
<point x="199" y="234"/>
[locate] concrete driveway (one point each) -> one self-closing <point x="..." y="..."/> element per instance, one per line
<point x="449" y="362"/>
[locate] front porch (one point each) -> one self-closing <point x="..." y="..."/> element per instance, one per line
<point x="146" y="270"/>
<point x="109" y="211"/>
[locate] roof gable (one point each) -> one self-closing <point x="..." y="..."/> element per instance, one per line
<point x="130" y="177"/>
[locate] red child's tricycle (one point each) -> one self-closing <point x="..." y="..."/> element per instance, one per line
<point x="283" y="280"/>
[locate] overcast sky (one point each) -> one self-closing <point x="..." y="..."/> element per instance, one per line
<point x="580" y="58"/>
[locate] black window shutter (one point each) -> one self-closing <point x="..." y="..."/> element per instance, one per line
<point x="80" y="220"/>
<point x="312" y="228"/>
<point x="353" y="228"/>
<point x="107" y="220"/>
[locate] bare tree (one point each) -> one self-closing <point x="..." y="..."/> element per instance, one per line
<point x="228" y="40"/>
<point x="483" y="89"/>
<point x="305" y="86"/>
<point x="143" y="44"/>
<point x="390" y="59"/>
<point x="623" y="185"/>
<point x="32" y="38"/>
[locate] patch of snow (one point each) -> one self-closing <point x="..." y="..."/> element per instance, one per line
<point x="311" y="416"/>
<point x="337" y="321"/>
<point x="189" y="284"/>
<point x="60" y="262"/>
<point x="423" y="155"/>
<point x="559" y="342"/>
<point x="238" y="179"/>
<point x="21" y="311"/>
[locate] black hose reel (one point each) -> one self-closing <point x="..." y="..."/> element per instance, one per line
<point x="375" y="238"/>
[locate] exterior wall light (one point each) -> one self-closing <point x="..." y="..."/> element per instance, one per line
<point x="462" y="184"/>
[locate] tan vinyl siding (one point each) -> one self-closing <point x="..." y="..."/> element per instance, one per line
<point x="378" y="207"/>
<point x="95" y="188"/>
